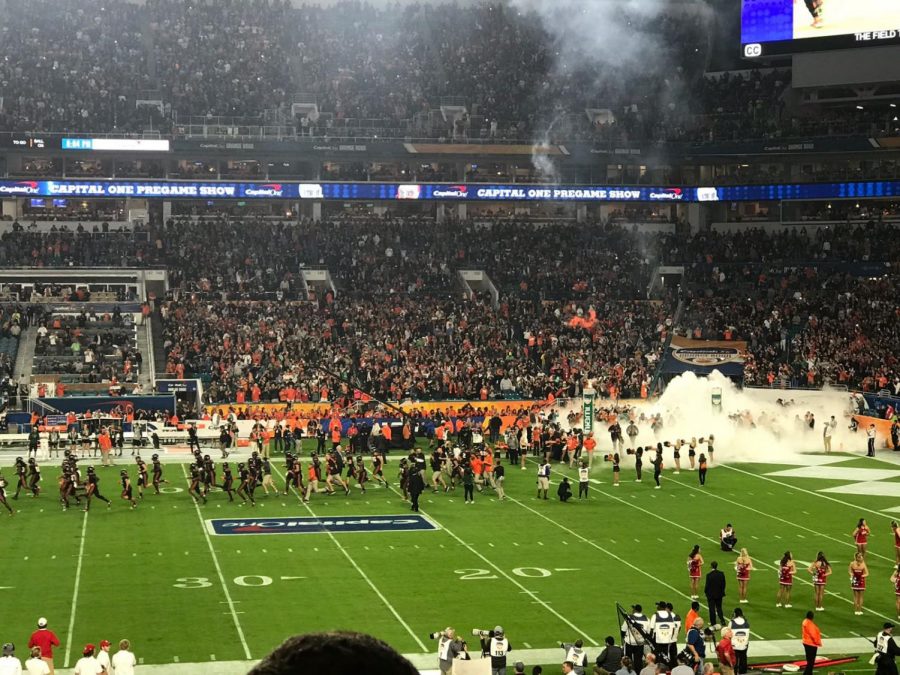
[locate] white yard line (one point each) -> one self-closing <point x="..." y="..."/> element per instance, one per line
<point x="706" y="537"/>
<point x="71" y="639"/>
<point x="773" y="517"/>
<point x="506" y="576"/>
<point x="821" y="496"/>
<point x="215" y="558"/>
<point x="381" y="596"/>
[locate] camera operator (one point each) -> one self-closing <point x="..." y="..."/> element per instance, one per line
<point x="449" y="647"/>
<point x="495" y="645"/>
<point x="576" y="655"/>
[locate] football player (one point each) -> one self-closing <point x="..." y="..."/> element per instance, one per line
<point x="194" y="483"/>
<point x="227" y="481"/>
<point x="143" y="480"/>
<point x="244" y="479"/>
<point x="34" y="477"/>
<point x="92" y="489"/>
<point x="21" y="472"/>
<point x="127" y="491"/>
<point x="378" y="468"/>
<point x="157" y="473"/>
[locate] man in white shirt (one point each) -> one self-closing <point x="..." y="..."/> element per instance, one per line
<point x="827" y="431"/>
<point x="103" y="656"/>
<point x="36" y="665"/>
<point x="9" y="664"/>
<point x="123" y="661"/>
<point x="870" y="448"/>
<point x="87" y="664"/>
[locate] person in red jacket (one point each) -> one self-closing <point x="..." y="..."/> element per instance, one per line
<point x="46" y="639"/>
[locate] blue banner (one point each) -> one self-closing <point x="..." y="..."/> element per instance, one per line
<point x="313" y="525"/>
<point x="460" y="192"/>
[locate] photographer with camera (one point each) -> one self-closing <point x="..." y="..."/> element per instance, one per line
<point x="576" y="655"/>
<point x="495" y="645"/>
<point x="449" y="647"/>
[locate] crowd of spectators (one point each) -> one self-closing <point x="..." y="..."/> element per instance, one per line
<point x="815" y="304"/>
<point x="74" y="66"/>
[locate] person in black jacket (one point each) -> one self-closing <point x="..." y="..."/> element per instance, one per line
<point x="715" y="593"/>
<point x="416" y="487"/>
<point x="610" y="659"/>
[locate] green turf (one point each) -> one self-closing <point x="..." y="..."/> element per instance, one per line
<point x="546" y="571"/>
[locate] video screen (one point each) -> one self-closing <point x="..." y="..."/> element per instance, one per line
<point x="773" y="27"/>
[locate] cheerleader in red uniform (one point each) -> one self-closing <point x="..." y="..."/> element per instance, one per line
<point x="861" y="536"/>
<point x="895" y="579"/>
<point x="786" y="571"/>
<point x="820" y="570"/>
<point x="858" y="573"/>
<point x="695" y="569"/>
<point x="743" y="566"/>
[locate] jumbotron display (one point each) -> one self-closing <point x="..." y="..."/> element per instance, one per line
<point x="772" y="27"/>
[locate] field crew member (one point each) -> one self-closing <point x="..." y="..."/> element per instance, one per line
<point x="740" y="640"/>
<point x="631" y="637"/>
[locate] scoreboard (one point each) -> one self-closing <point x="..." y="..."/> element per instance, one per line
<point x="773" y="27"/>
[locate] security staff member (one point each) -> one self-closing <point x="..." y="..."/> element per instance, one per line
<point x="634" y="631"/>
<point x="885" y="651"/>
<point x="576" y="655"/>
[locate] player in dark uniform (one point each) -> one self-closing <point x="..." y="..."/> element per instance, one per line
<point x="143" y="479"/>
<point x="227" y="481"/>
<point x="292" y="475"/>
<point x="34" y="477"/>
<point x="332" y="472"/>
<point x="244" y="484"/>
<point x="208" y="473"/>
<point x="358" y="471"/>
<point x="21" y="472"/>
<point x="127" y="491"/>
<point x="92" y="489"/>
<point x="378" y="468"/>
<point x="194" y="483"/>
<point x="70" y="482"/>
<point x="157" y="473"/>
<point x="254" y="470"/>
<point x="3" y="495"/>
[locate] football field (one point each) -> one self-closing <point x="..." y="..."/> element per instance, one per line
<point x="221" y="582"/>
